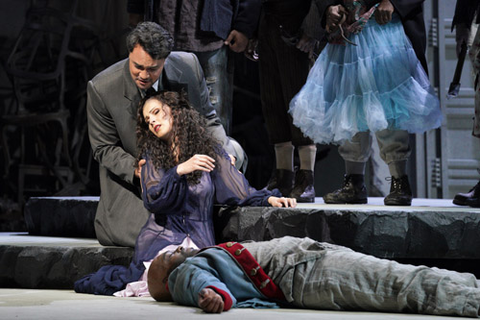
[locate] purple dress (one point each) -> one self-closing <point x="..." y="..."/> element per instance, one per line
<point x="178" y="210"/>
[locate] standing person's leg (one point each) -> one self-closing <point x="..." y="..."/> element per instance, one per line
<point x="304" y="189"/>
<point x="395" y="150"/>
<point x="472" y="197"/>
<point x="294" y="67"/>
<point x="283" y="72"/>
<point x="355" y="153"/>
<point x="219" y="81"/>
<point x="346" y="280"/>
<point x="272" y="105"/>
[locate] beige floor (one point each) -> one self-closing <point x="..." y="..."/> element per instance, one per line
<point x="65" y="304"/>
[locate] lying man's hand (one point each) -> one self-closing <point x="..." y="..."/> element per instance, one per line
<point x="210" y="301"/>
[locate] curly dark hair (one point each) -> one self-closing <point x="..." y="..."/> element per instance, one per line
<point x="188" y="130"/>
<point x="155" y="40"/>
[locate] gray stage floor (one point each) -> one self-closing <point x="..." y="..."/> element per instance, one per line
<point x="65" y="304"/>
<point x="376" y="202"/>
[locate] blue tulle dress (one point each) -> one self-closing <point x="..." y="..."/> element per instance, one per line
<point x="377" y="84"/>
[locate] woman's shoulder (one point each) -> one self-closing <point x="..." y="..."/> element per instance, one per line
<point x="220" y="151"/>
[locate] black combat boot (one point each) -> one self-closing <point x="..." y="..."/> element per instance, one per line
<point x="352" y="192"/>
<point x="472" y="196"/>
<point x="282" y="180"/>
<point x="303" y="189"/>
<point x="400" y="192"/>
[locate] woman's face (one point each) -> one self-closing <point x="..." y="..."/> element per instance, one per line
<point x="158" y="117"/>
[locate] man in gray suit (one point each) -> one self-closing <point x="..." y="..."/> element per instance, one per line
<point x="113" y="98"/>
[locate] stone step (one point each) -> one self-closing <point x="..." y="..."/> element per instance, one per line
<point x="36" y="262"/>
<point x="429" y="229"/>
<point x="431" y="232"/>
<point x="61" y="216"/>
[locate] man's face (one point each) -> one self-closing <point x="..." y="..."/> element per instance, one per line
<point x="172" y="259"/>
<point x="160" y="269"/>
<point x="169" y="260"/>
<point x="144" y="70"/>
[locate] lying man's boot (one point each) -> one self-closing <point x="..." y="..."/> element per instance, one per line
<point x="352" y="192"/>
<point x="461" y="199"/>
<point x="400" y="192"/>
<point x="303" y="189"/>
<point x="282" y="180"/>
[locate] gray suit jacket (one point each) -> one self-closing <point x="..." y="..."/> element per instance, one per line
<point x="112" y="104"/>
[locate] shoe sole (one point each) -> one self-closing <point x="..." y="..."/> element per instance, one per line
<point x="459" y="202"/>
<point x="406" y="203"/>
<point x="473" y="203"/>
<point x="305" y="200"/>
<point x="360" y="201"/>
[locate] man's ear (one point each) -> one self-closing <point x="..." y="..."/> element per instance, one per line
<point x="158" y="288"/>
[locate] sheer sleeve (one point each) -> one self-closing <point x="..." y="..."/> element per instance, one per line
<point x="162" y="191"/>
<point x="232" y="188"/>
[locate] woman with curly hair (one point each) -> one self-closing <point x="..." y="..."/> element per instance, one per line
<point x="184" y="172"/>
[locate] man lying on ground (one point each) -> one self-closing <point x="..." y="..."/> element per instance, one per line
<point x="300" y="272"/>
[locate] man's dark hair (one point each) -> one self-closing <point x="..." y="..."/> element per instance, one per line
<point x="155" y="40"/>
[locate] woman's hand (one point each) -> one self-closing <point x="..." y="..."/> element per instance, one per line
<point x="282" y="202"/>
<point x="197" y="162"/>
<point x="384" y="11"/>
<point x="336" y="15"/>
<point x="210" y="301"/>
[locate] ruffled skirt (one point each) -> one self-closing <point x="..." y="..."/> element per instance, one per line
<point x="378" y="84"/>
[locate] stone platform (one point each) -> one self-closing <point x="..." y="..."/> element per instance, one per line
<point x="432" y="232"/>
<point x="40" y="262"/>
<point x="429" y="229"/>
<point x="61" y="216"/>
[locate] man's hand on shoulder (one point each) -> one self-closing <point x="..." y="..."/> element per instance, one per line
<point x="233" y="160"/>
<point x="138" y="170"/>
<point x="210" y="301"/>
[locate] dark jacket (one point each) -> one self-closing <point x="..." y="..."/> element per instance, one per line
<point x="411" y="14"/>
<point x="217" y="16"/>
<point x="465" y="11"/>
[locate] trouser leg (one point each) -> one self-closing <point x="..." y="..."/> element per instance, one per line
<point x="219" y="79"/>
<point x="347" y="280"/>
<point x="283" y="71"/>
<point x="395" y="150"/>
<point x="474" y="54"/>
<point x="356" y="153"/>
